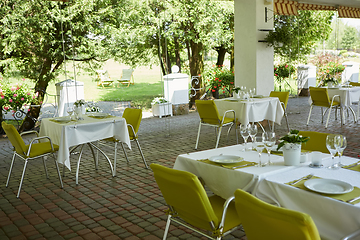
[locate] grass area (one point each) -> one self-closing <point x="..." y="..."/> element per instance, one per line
<point x="148" y="85"/>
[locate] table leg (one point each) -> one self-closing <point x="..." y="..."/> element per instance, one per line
<point x="95" y="157"/>
<point x="107" y="158"/>
<point x="78" y="165"/>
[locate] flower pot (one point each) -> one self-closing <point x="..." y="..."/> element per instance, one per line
<point x="236" y="95"/>
<point x="330" y="84"/>
<point x="292" y="152"/>
<point x="162" y="109"/>
<point x="79" y="112"/>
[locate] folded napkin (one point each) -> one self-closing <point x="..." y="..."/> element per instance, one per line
<point x="355" y="168"/>
<point x="342" y="197"/>
<point x="61" y="122"/>
<point x="232" y="100"/>
<point x="230" y="166"/>
<point x="101" y="117"/>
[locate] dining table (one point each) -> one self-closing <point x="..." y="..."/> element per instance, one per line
<point x="334" y="217"/>
<point x="69" y="134"/>
<point x="255" y="109"/>
<point x="348" y="96"/>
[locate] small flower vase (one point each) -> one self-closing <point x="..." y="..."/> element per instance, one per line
<point x="79" y="112"/>
<point x="292" y="153"/>
<point x="330" y="84"/>
<point x="236" y="95"/>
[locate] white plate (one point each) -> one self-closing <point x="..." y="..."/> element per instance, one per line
<point x="328" y="186"/>
<point x="226" y="159"/>
<point x="62" y="119"/>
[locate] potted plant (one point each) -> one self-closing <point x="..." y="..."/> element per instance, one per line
<point x="236" y="91"/>
<point x="219" y="79"/>
<point x="291" y="146"/>
<point x="161" y="107"/>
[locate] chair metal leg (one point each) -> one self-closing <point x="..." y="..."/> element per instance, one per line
<point x="142" y="155"/>
<point x="218" y="137"/>
<point x="309" y="115"/>
<point x="127" y="159"/>
<point x="10" y="170"/>
<point x="46" y="172"/>
<point x="22" y="178"/>
<point x="57" y="169"/>
<point x="115" y="153"/>
<point x="197" y="139"/>
<point x="327" y="121"/>
<point x="167" y="226"/>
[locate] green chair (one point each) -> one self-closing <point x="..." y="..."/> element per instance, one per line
<point x="320" y="98"/>
<point x="209" y="116"/>
<point x="133" y="119"/>
<point x="261" y="220"/>
<point x="190" y="207"/>
<point x="283" y="98"/>
<point x="317" y="141"/>
<point x="35" y="149"/>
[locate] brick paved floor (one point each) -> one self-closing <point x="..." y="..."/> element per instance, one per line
<point x="128" y="206"/>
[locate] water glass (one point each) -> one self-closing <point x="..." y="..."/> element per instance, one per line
<point x="244" y="131"/>
<point x="252" y="132"/>
<point x="341" y="144"/>
<point x="332" y="146"/>
<point x="259" y="146"/>
<point x="269" y="141"/>
<point x="70" y="111"/>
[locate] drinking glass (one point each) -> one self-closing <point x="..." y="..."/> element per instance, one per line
<point x="244" y="131"/>
<point x="269" y="142"/>
<point x="252" y="92"/>
<point x="259" y="145"/>
<point x="332" y="146"/>
<point x="341" y="144"/>
<point x="70" y="111"/>
<point x="252" y="132"/>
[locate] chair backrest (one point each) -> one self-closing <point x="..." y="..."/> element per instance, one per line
<point x="283" y="96"/>
<point x="319" y="96"/>
<point x="126" y="74"/>
<point x="317" y="141"/>
<point x="15" y="138"/>
<point x="208" y="111"/>
<point x="184" y="193"/>
<point x="355" y="84"/>
<point x="133" y="117"/>
<point x="265" y="221"/>
<point x="103" y="75"/>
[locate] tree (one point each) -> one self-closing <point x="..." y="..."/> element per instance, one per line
<point x="295" y="36"/>
<point x="349" y="40"/>
<point x="39" y="36"/>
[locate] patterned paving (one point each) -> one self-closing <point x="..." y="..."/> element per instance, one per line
<point x="128" y="206"/>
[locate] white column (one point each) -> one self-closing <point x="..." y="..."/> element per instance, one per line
<point x="254" y="61"/>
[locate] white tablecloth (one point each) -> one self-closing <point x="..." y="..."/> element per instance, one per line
<point x="223" y="181"/>
<point x="84" y="131"/>
<point x="255" y="110"/>
<point x="347" y="95"/>
<point x="334" y="219"/>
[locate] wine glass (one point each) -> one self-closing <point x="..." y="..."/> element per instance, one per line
<point x="252" y="92"/>
<point x="244" y="131"/>
<point x="259" y="146"/>
<point x="252" y="132"/>
<point x="269" y="142"/>
<point x="70" y="111"/>
<point x="332" y="146"/>
<point x="341" y="144"/>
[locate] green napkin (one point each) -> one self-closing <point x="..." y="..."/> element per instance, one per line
<point x="232" y="100"/>
<point x="61" y="122"/>
<point x="342" y="197"/>
<point x="230" y="166"/>
<point x="101" y="117"/>
<point x="355" y="168"/>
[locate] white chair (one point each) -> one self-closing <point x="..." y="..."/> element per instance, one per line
<point x="104" y="79"/>
<point x="126" y="77"/>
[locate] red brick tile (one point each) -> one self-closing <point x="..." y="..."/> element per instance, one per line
<point x="135" y="229"/>
<point x="92" y="236"/>
<point x="83" y="232"/>
<point x="119" y="220"/>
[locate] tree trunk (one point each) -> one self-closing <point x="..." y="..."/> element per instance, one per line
<point x="177" y="53"/>
<point x="221" y="55"/>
